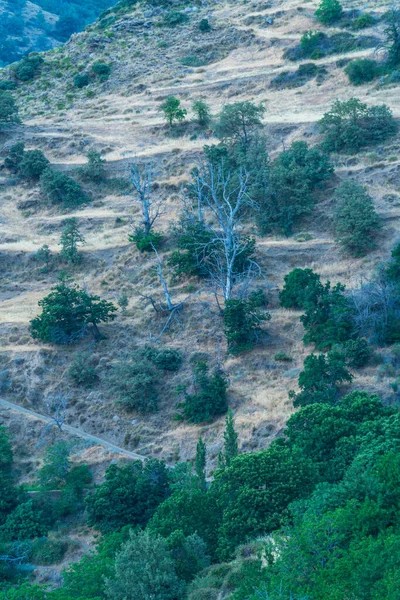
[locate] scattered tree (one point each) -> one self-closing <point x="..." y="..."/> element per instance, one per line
<point x="172" y="110"/>
<point x="32" y="165"/>
<point x="8" y="109"/>
<point x="208" y="399"/>
<point x="59" y="188"/>
<point x="242" y="320"/>
<point x="355" y="219"/>
<point x="45" y="256"/>
<point x="70" y="238"/>
<point x="203" y="113"/>
<point x="231" y="448"/>
<point x="239" y="121"/>
<point x="200" y="462"/>
<point x="329" y="11"/>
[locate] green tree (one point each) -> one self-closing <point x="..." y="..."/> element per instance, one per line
<point x="6" y="453"/>
<point x="362" y="70"/>
<point x="25" y="522"/>
<point x="242" y="319"/>
<point x="321" y="379"/>
<point x="231" y="448"/>
<point x="329" y="11"/>
<point x="8" y="109"/>
<point x="239" y="121"/>
<point x="301" y="287"/>
<point x="128" y="496"/>
<point x="355" y="219"/>
<point x="70" y="238"/>
<point x="203" y="113"/>
<point x="32" y="165"/>
<point x="56" y="465"/>
<point x="14" y="156"/>
<point x="200" y="462"/>
<point x="59" y="188"/>
<point x="172" y="110"/>
<point x="189" y="554"/>
<point x="208" y="399"/>
<point x="66" y="313"/>
<point x="94" y="169"/>
<point x="144" y="569"/>
<point x="44" y="255"/>
<point x="350" y="125"/>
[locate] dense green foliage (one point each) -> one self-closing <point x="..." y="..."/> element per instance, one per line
<point x="242" y="320"/>
<point x="59" y="188"/>
<point x="66" y="314"/>
<point x="362" y="70"/>
<point x="172" y="110"/>
<point x="351" y="125"/>
<point x="8" y="109"/>
<point x="208" y="398"/>
<point x="355" y="219"/>
<point x="329" y="11"/>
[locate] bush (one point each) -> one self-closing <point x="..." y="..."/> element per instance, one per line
<point x="363" y="21"/>
<point x="81" y="371"/>
<point x="357" y="352"/>
<point x="33" y="164"/>
<point x="329" y="11"/>
<point x="14" y="157"/>
<point x="8" y="109"/>
<point x="320" y="379"/>
<point x="167" y="359"/>
<point x="204" y="26"/>
<point x="355" y="219"/>
<point x="94" y="169"/>
<point x="59" y="188"/>
<point x="305" y="72"/>
<point x="28" y="67"/>
<point x="45" y="551"/>
<point x="301" y="287"/>
<point x="209" y="398"/>
<point x="25" y="522"/>
<point x="146" y="241"/>
<point x="328" y="317"/>
<point x="362" y="70"/>
<point x="316" y="44"/>
<point x="242" y="319"/>
<point x="101" y="70"/>
<point x="81" y="80"/>
<point x="134" y="382"/>
<point x="174" y="18"/>
<point x="7" y="85"/>
<point x="351" y="125"/>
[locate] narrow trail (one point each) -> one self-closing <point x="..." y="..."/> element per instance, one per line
<point x="73" y="430"/>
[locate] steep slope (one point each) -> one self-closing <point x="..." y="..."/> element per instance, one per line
<point x="239" y="57"/>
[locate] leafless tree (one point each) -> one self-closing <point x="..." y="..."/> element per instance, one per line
<point x="225" y="197"/>
<point x="57" y="407"/>
<point x="376" y="303"/>
<point x="142" y="180"/>
<point x="17" y="554"/>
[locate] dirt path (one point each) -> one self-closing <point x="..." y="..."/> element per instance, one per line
<point x="73" y="430"/>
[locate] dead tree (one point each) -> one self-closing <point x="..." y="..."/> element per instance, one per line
<point x="57" y="407"/>
<point x="141" y="178"/>
<point x="225" y="197"/>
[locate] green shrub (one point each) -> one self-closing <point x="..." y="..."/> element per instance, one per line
<point x="7" y="85"/>
<point x="321" y="379"/>
<point x="242" y="320"/>
<point x="28" y="67"/>
<point x="94" y="169"/>
<point x="81" y="80"/>
<point x="208" y="399"/>
<point x="167" y="359"/>
<point x="70" y="238"/>
<point x="363" y="21"/>
<point x="362" y="70"/>
<point x="351" y="125"/>
<point x="46" y="551"/>
<point x="81" y="371"/>
<point x="204" y="26"/>
<point x="14" y="157"/>
<point x="101" y="70"/>
<point x="355" y="219"/>
<point x="135" y="384"/>
<point x="282" y="356"/>
<point x="32" y="165"/>
<point x="202" y="112"/>
<point x="174" y="18"/>
<point x="8" y="109"/>
<point x="328" y="317"/>
<point x="25" y="522"/>
<point x="59" y="188"/>
<point x="329" y="11"/>
<point x="146" y="241"/>
<point x="357" y="352"/>
<point x="44" y="256"/>
<point x="301" y="287"/>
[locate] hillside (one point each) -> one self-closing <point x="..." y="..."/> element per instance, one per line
<point x="37" y="26"/>
<point x="72" y="107"/>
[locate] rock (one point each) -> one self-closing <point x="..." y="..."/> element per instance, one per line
<point x="27" y="204"/>
<point x="115" y="418"/>
<point x="269" y="21"/>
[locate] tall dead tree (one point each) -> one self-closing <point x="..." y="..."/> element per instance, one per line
<point x="225" y="197"/>
<point x="142" y="178"/>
